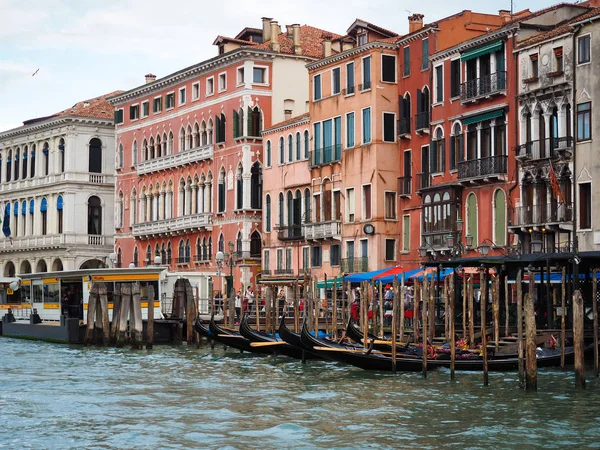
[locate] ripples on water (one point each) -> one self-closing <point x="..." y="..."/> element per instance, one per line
<point x="54" y="396"/>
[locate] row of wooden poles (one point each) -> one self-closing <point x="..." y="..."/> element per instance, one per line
<point x="424" y="295"/>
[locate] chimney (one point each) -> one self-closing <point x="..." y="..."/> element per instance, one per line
<point x="288" y="31"/>
<point x="150" y="78"/>
<point x="327" y="45"/>
<point x="415" y="22"/>
<point x="287" y="114"/>
<point x="504" y="15"/>
<point x="266" y="27"/>
<point x="275" y="36"/>
<point x="296" y="37"/>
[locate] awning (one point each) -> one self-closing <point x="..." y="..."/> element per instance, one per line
<point x="321" y="284"/>
<point x="485" y="116"/>
<point x="480" y="51"/>
<point x="390" y="278"/>
<point x="432" y="274"/>
<point x="360" y="277"/>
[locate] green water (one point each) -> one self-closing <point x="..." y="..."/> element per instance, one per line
<point x="58" y="396"/>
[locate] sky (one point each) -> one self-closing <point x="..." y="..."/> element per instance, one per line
<point x="85" y="48"/>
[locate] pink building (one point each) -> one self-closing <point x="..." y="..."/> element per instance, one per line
<point x="189" y="146"/>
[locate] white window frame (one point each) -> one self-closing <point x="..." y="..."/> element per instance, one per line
<point x="266" y="75"/>
<point x="405" y="250"/>
<point x="210" y="81"/>
<point x="395" y="218"/>
<point x="174" y="102"/>
<point x="240" y="70"/>
<point x="340" y="70"/>
<point x="395" y="69"/>
<point x="360" y="243"/>
<point x="161" y="106"/>
<point x="385" y="249"/>
<point x="435" y="84"/>
<point x="142" y="115"/>
<point x="383" y="113"/>
<point x="576" y="50"/>
<point x="308" y="260"/>
<point x="122" y="115"/>
<point x="266" y="259"/>
<point x="224" y="88"/>
<point x="347" y="206"/>
<point x="362" y="73"/>
<point x="184" y="91"/>
<point x="139" y="112"/>
<point x="315" y="99"/>
<point x="362" y="126"/>
<point x="363" y="205"/>
<point x="364" y="35"/>
<point x="196" y="87"/>
<point x="353" y="77"/>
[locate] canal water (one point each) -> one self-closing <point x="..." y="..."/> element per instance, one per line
<point x="58" y="396"/>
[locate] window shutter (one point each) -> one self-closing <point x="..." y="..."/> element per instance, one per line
<point x="250" y="121"/>
<point x="419" y="100"/>
<point x="433" y="157"/>
<point x="452" y="152"/>
<point x="443" y="150"/>
<point x="218" y="129"/>
<point x="461" y="148"/>
<point x="236" y="124"/>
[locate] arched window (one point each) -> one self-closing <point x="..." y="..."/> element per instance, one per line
<point x="59" y="213"/>
<point x="33" y="148"/>
<point x="133" y="207"/>
<point x="210" y="248"/>
<point x="254" y="121"/>
<point x="119" y="158"/>
<point x="238" y="243"/>
<point x="170" y="144"/>
<point x="44" y="214"/>
<point x="239" y="189"/>
<point x="24" y="214"/>
<point x="256" y="186"/>
<point x="120" y="211"/>
<point x="456" y="146"/>
<point x="255" y="245"/>
<point x="437" y="160"/>
<point x="221" y="245"/>
<point x="136" y="258"/>
<point x="268" y="213"/>
<point x="95" y="156"/>
<point x="134" y="153"/>
<point x="198" y="250"/>
<point x="149" y="259"/>
<point x="169" y="253"/>
<point x="268" y="155"/>
<point x="221" y="192"/>
<point x="298" y="147"/>
<point x="290" y="209"/>
<point x="25" y="157"/>
<point x="307" y="216"/>
<point x="306" y="145"/>
<point x="61" y="156"/>
<point x="188" y="251"/>
<point x="17" y="162"/>
<point x="281" y="213"/>
<point x="46" y="156"/>
<point x="500" y="218"/>
<point x="290" y="148"/>
<point x="31" y="212"/>
<point x="9" y="166"/>
<point x="205" y="256"/>
<point x="472" y="218"/>
<point x="94" y="216"/>
<point x="119" y="258"/>
<point x="16" y="213"/>
<point x="281" y="150"/>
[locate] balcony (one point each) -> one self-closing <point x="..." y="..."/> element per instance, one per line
<point x="30" y="243"/>
<point x="355" y="265"/>
<point x="546" y="214"/>
<point x="283" y="272"/>
<point x="422" y="122"/>
<point x="176" y="159"/>
<point x="183" y="260"/>
<point x="326" y="155"/>
<point x="245" y="255"/>
<point x="404" y="186"/>
<point x="404" y="127"/>
<point x="323" y="230"/>
<point x="423" y="180"/>
<point x="289" y="232"/>
<point x="544" y="148"/>
<point x="364" y="86"/>
<point x="170" y="227"/>
<point x="483" y="168"/>
<point x="482" y="87"/>
<point x="202" y="258"/>
<point x="68" y="177"/>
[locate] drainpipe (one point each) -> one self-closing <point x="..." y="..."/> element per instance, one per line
<point x="574" y="193"/>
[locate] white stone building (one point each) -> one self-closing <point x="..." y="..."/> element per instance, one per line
<point x="57" y="179"/>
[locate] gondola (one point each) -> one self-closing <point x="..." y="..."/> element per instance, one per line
<point x="201" y="329"/>
<point x="356" y="335"/>
<point x="294" y="340"/>
<point x="237" y="341"/>
<point x="373" y="361"/>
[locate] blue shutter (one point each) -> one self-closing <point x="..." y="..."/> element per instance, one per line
<point x="337" y="122"/>
<point x="31" y="207"/>
<point x="24" y="208"/>
<point x="59" y="203"/>
<point x="16" y="211"/>
<point x="44" y="205"/>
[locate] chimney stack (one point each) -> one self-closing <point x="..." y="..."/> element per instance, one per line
<point x="296" y="37"/>
<point x="266" y="28"/>
<point x="415" y="22"/>
<point x="275" y="36"/>
<point x="327" y="45"/>
<point x="287" y="114"/>
<point x="504" y="15"/>
<point x="150" y="78"/>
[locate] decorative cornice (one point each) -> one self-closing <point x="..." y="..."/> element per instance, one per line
<point x="286" y="126"/>
<point x="416" y="36"/>
<point x="351" y="52"/>
<point x="476" y="42"/>
<point x="198" y="69"/>
<point x="55" y="122"/>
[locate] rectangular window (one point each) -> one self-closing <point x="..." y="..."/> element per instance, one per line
<point x="317" y="87"/>
<point x="182" y="96"/>
<point x="406" y="70"/>
<point x="222" y="82"/>
<point x="558" y="59"/>
<point x="389" y="127"/>
<point x="362" y="39"/>
<point x="366" y="73"/>
<point x="265" y="262"/>
<point x="259" y="75"/>
<point x="335" y="257"/>
<point x="454" y="78"/>
<point x="170" y="100"/>
<point x="336" y="81"/>
<point x="316" y="256"/>
<point x="289" y="261"/>
<point x="388" y="68"/>
<point x="195" y="91"/>
<point x="364" y="248"/>
<point x="306" y="258"/>
<point x="210" y="86"/>
<point x="240" y="76"/>
<point x="439" y="84"/>
<point x="583" y="49"/>
<point x="390" y="205"/>
<point x="279" y="261"/>
<point x="585" y="206"/>
<point x="366" y="199"/>
<point x="366" y="125"/>
<point x="350" y="130"/>
<point x="534" y="66"/>
<point x="118" y="118"/>
<point x="406" y="233"/>
<point x="350" y="205"/>
<point x="350" y="78"/>
<point x="584" y="120"/>
<point x="145" y="108"/>
<point x="390" y="249"/>
<point x="134" y="112"/>
<point x="157" y="105"/>
<point x="424" y="54"/>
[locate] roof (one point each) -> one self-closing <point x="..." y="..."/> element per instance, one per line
<point x="311" y="41"/>
<point x="372" y="26"/>
<point x="97" y="108"/>
<point x="248" y="30"/>
<point x="291" y="121"/>
<point x="220" y="39"/>
<point x="559" y="30"/>
<point x="524" y="15"/>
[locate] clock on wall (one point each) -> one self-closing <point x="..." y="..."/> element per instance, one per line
<point x="369" y="229"/>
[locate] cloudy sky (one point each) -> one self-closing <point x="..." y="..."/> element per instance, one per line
<point x="85" y="48"/>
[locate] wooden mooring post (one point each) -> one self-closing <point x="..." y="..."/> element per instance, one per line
<point x="424" y="319"/>
<point x="364" y="301"/>
<point x="150" y="324"/>
<point x="211" y="298"/>
<point x="506" y="307"/>
<point x="520" y="327"/>
<point x="483" y="285"/>
<point x="401" y="306"/>
<point x="471" y="312"/>
<point x="530" y="356"/>
<point x="452" y="319"/>
<point x="464" y="308"/>
<point x="578" y="339"/>
<point x="334" y="309"/>
<point x="381" y="317"/>
<point x="496" y="311"/>
<point x="295" y="290"/>
<point x="446" y="315"/>
<point x="98" y="327"/>
<point x="595" y="313"/>
<point x="563" y="304"/>
<point x="416" y="310"/>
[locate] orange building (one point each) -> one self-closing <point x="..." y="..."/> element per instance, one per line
<point x="190" y="163"/>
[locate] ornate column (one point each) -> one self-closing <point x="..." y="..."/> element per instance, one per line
<point x="194" y="198"/>
<point x="201" y="198"/>
<point x="479" y="127"/>
<point x="493" y="149"/>
<point x="246" y="178"/>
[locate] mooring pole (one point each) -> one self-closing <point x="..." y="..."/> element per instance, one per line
<point x="452" y="319"/>
<point x="520" y="326"/>
<point x="595" y="312"/>
<point x="483" y="285"/>
<point x="424" y="319"/>
<point x="578" y="339"/>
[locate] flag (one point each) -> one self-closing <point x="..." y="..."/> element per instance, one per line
<point x="6" y="226"/>
<point x="554" y="184"/>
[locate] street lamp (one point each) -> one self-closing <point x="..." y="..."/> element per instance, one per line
<point x="536" y="246"/>
<point x="484" y="248"/>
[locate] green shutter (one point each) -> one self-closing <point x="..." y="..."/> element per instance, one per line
<point x="472" y="218"/>
<point x="236" y="124"/>
<point x="500" y="218"/>
<point x="250" y="120"/>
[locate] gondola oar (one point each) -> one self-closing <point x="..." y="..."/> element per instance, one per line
<point x="358" y="350"/>
<point x="236" y="336"/>
<point x="266" y="344"/>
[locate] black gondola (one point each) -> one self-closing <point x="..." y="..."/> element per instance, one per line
<point x="356" y="335"/>
<point x="218" y="334"/>
<point x="202" y="329"/>
<point x="371" y="361"/>
<point x="295" y="340"/>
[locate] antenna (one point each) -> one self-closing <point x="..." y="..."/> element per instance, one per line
<point x="512" y="7"/>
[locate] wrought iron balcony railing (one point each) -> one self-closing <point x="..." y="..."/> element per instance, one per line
<point x="326" y="155"/>
<point x="355" y="265"/>
<point x="483" y="167"/>
<point x="289" y="232"/>
<point x="484" y="86"/>
<point x="423" y="180"/>
<point x="404" y="126"/>
<point x="546" y="213"/>
<point x="544" y="148"/>
<point x="405" y="186"/>
<point x="422" y="121"/>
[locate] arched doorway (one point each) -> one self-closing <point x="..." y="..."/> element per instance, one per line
<point x="57" y="265"/>
<point x="92" y="264"/>
<point x="25" y="267"/>
<point x="41" y="266"/>
<point x="255" y="245"/>
<point x="9" y="269"/>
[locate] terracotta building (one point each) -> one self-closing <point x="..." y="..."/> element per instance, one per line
<point x="190" y="152"/>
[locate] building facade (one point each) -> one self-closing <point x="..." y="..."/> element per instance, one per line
<point x="57" y="190"/>
<point x="189" y="183"/>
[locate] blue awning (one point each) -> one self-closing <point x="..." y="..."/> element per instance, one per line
<point x="44" y="205"/>
<point x="481" y="51"/>
<point x="7" y="209"/>
<point x="360" y="277"/>
<point x="407" y="275"/>
<point x="59" y="203"/>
